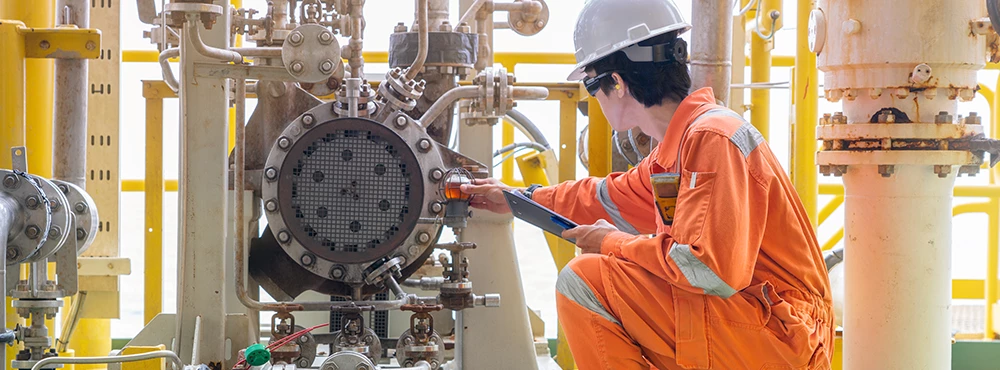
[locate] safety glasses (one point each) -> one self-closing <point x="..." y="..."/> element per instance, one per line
<point x="593" y="84"/>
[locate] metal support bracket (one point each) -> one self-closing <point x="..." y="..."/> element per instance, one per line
<point x="62" y="43"/>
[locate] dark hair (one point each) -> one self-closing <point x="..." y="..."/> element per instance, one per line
<point x="648" y="82"/>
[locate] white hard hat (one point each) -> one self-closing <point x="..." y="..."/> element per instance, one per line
<point x="607" y="26"/>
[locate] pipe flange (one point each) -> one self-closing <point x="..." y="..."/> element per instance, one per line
<point x="394" y="99"/>
<point x="409" y="351"/>
<point x="61" y="225"/>
<point x="527" y="23"/>
<point x="345" y="343"/>
<point x="85" y="209"/>
<point x="34" y="215"/>
<point x="311" y="53"/>
<point x="347" y="360"/>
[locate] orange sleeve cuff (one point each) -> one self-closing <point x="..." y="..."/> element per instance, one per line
<point x="612" y="244"/>
<point x="546" y="196"/>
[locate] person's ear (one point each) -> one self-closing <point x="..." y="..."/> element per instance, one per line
<point x="619" y="85"/>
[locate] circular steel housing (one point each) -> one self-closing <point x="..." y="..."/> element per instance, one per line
<point x="350" y="193"/>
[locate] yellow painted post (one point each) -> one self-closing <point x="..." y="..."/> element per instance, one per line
<point x="760" y="68"/>
<point x="567" y="171"/>
<point x="153" y="255"/>
<point x="992" y="253"/>
<point x="92" y="337"/>
<point x="598" y="141"/>
<point x="507" y="168"/>
<point x="154" y="364"/>
<point x="805" y="97"/>
<point x="38" y="85"/>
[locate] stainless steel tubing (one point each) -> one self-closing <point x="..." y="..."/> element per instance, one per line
<point x="191" y="26"/>
<point x="69" y="157"/>
<point x="711" y="46"/>
<point x="418" y="63"/>
<point x="111" y="359"/>
<point x="446" y="100"/>
<point x="168" y="73"/>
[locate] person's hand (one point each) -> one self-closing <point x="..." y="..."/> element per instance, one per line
<point x="488" y="194"/>
<point x="590" y="237"/>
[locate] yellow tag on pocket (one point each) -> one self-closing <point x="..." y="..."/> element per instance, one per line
<point x="665" y="189"/>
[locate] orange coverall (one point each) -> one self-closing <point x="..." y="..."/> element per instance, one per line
<point x="737" y="282"/>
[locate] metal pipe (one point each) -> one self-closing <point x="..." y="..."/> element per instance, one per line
<point x="711" y="46"/>
<point x="69" y="160"/>
<point x="356" y="61"/>
<point x="258" y="52"/>
<point x="760" y="72"/>
<point x="529" y="93"/>
<point x="8" y="215"/>
<point x="111" y="359"/>
<point x="418" y="64"/>
<point x="446" y="100"/>
<point x="471" y="12"/>
<point x="421" y="365"/>
<point x="395" y="288"/>
<point x="438" y="12"/>
<point x="168" y="73"/>
<point x="196" y="342"/>
<point x="191" y="26"/>
<point x="515" y="146"/>
<point x="69" y="325"/>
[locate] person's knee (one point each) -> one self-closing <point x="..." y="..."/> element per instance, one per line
<point x="574" y="285"/>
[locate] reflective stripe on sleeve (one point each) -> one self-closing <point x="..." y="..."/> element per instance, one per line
<point x="612" y="209"/>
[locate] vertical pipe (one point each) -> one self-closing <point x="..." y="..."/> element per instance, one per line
<point x="11" y="126"/>
<point x="567" y="172"/>
<point x="886" y="254"/>
<point x="203" y="188"/>
<point x="153" y="240"/>
<point x="7" y="217"/>
<point x="805" y="97"/>
<point x="992" y="254"/>
<point x="711" y="46"/>
<point x="69" y="161"/>
<point x="507" y="138"/>
<point x="760" y="71"/>
<point x="423" y="39"/>
<point x="38" y="78"/>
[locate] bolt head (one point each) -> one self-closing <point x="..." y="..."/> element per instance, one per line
<point x="325" y="38"/>
<point x="32" y="202"/>
<point x="307" y="260"/>
<point x="297" y="67"/>
<point x="284" y="236"/>
<point x="91" y="45"/>
<point x="308" y="120"/>
<point x="54" y="204"/>
<point x="55" y="233"/>
<point x="284" y="143"/>
<point x="337" y="272"/>
<point x="437" y="174"/>
<point x="12" y="252"/>
<point x="32" y="231"/>
<point x="414" y="250"/>
<point x="303" y="362"/>
<point x="424" y="237"/>
<point x="363" y="367"/>
<point x="81" y="234"/>
<point x="271" y="206"/>
<point x="10" y="181"/>
<point x="401" y="121"/>
<point x="295" y="38"/>
<point x="437" y="207"/>
<point x="271" y="173"/>
<point x="326" y="66"/>
<point x="424" y="145"/>
<point x="45" y="45"/>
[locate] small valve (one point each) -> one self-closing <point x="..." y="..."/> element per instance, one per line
<point x="456" y="212"/>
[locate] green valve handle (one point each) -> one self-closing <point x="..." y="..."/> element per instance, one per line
<point x="257" y="355"/>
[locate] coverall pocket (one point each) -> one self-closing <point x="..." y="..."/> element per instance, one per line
<point x="693" y="201"/>
<point x="690" y="317"/>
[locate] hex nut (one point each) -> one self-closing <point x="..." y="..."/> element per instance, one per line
<point x="32" y="202"/>
<point x="80" y="207"/>
<point x="284" y="143"/>
<point x="295" y="38"/>
<point x="271" y="205"/>
<point x="401" y="121"/>
<point x="11" y="181"/>
<point x="437" y="174"/>
<point x="337" y="272"/>
<point x="437" y="207"/>
<point x="271" y="173"/>
<point x="55" y="232"/>
<point x="308" y="120"/>
<point x="81" y="234"/>
<point x="307" y="260"/>
<point x="32" y="231"/>
<point x="297" y="67"/>
<point x="12" y="252"/>
<point x="326" y="66"/>
<point x="325" y="38"/>
<point x="284" y="236"/>
<point x="424" y="145"/>
<point x="423" y="237"/>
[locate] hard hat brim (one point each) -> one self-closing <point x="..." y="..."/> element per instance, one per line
<point x="580" y="71"/>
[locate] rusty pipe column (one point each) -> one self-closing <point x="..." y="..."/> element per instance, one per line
<point x="69" y="144"/>
<point x="711" y="46"/>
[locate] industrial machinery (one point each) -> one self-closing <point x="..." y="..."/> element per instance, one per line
<point x="356" y="181"/>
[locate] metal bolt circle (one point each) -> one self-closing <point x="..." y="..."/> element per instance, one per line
<point x="325" y="37"/>
<point x="307" y="259"/>
<point x="55" y="232"/>
<point x="437" y="174"/>
<point x="81" y="234"/>
<point x="297" y="67"/>
<point x="326" y="66"/>
<point x="337" y="272"/>
<point x="271" y="173"/>
<point x="271" y="206"/>
<point x="401" y="121"/>
<point x="32" y="231"/>
<point x="63" y="188"/>
<point x="32" y="202"/>
<point x="10" y="181"/>
<point x="437" y="207"/>
<point x="295" y="38"/>
<point x="424" y="237"/>
<point x="80" y="207"/>
<point x="12" y="252"/>
<point x="424" y="145"/>
<point x="284" y="237"/>
<point x="284" y="143"/>
<point x="308" y="120"/>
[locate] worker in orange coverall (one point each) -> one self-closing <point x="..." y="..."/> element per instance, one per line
<point x="709" y="261"/>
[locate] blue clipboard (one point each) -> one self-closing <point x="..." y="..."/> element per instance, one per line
<point x="535" y="214"/>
